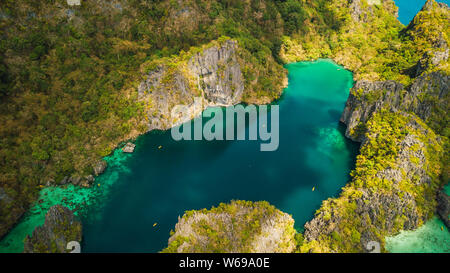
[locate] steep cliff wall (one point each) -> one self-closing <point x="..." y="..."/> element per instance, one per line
<point x="212" y="75"/>
<point x="393" y="187"/>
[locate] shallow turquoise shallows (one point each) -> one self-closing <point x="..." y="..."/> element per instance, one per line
<point x="157" y="185"/>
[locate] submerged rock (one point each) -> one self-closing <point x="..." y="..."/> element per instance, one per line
<point x="129" y="148"/>
<point x="59" y="229"/>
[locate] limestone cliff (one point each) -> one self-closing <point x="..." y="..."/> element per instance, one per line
<point x="60" y="228"/>
<point x="240" y="226"/>
<point x="212" y="75"/>
<point x="393" y="187"/>
<point x="428" y="97"/>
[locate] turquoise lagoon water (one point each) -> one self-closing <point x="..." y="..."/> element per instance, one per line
<point x="409" y="8"/>
<point x="157" y="185"/>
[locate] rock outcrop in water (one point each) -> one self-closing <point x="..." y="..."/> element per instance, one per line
<point x="241" y="226"/>
<point x="59" y="229"/>
<point x="100" y="167"/>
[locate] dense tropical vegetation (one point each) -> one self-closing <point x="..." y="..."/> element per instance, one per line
<point x="68" y="75"/>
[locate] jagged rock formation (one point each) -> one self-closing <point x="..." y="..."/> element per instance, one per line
<point x="428" y="94"/>
<point x="213" y="76"/>
<point x="60" y="228"/>
<point x="360" y="13"/>
<point x="437" y="53"/>
<point x="393" y="187"/>
<point x="428" y="97"/>
<point x="240" y="226"/>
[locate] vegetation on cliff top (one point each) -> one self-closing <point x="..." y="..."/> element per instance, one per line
<point x="382" y="171"/>
<point x="60" y="228"/>
<point x="240" y="226"/>
<point x="69" y="76"/>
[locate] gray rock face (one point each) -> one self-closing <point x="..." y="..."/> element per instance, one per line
<point x="427" y="96"/>
<point x="90" y="178"/>
<point x="357" y="13"/>
<point x="218" y="74"/>
<point x="443" y="208"/>
<point x="366" y="98"/>
<point x="380" y="209"/>
<point x="128" y="148"/>
<point x="60" y="227"/>
<point x="75" y="180"/>
<point x="100" y="167"/>
<point x="212" y="77"/>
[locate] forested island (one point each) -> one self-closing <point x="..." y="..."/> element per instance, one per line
<point x="78" y="82"/>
